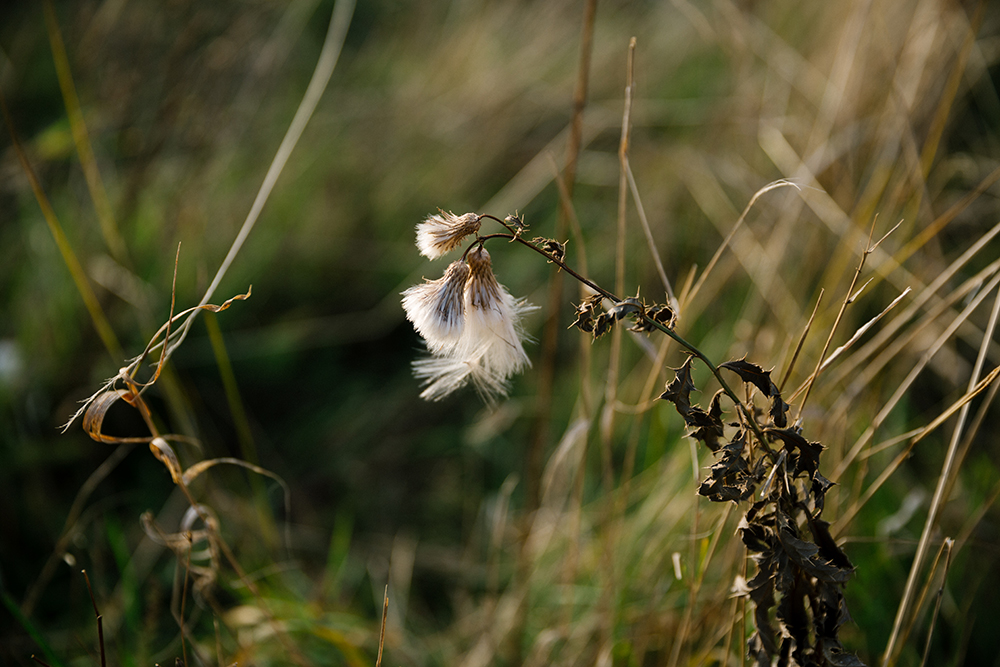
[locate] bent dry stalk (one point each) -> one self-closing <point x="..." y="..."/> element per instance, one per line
<point x="472" y="329"/>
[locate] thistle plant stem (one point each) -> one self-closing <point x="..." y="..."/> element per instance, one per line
<point x="515" y="235"/>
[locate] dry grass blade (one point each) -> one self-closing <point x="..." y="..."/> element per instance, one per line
<point x="957" y="74"/>
<point x="931" y="575"/>
<point x="944" y="479"/>
<point x="649" y="238"/>
<point x="91" y="172"/>
<point x="127" y="374"/>
<point x="862" y="329"/>
<point x="906" y="341"/>
<point x="802" y="340"/>
<point x="93" y="419"/>
<point x="69" y="257"/>
<point x="381" y="632"/>
<point x="939" y="223"/>
<point x="693" y="292"/>
<point x="614" y="358"/>
<point x="948" y="544"/>
<point x="196" y="469"/>
<point x="184" y="595"/>
<point x="844" y="520"/>
<point x="586" y="352"/>
<point x="921" y="299"/>
<point x="851" y="296"/>
<point x="550" y="333"/>
<point x="911" y="376"/>
<point x="340" y="19"/>
<point x="97" y="615"/>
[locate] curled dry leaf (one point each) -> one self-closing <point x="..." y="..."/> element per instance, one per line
<point x="93" y="418"/>
<point x="164" y="453"/>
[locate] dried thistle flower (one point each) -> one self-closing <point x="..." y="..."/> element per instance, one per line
<point x="443" y="232"/>
<point x="493" y="319"/>
<point x="437" y="307"/>
<point x="551" y="247"/>
<point x="485" y="347"/>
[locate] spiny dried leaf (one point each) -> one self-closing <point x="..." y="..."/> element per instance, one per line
<point x="551" y="247"/>
<point x="806" y="555"/>
<point x="663" y="314"/>
<point x="591" y="319"/>
<point x="821" y="484"/>
<point x="803" y="455"/>
<point x="716" y="491"/>
<point x="517" y="223"/>
<point x="678" y="390"/>
<point x="793" y="621"/>
<point x="706" y="428"/>
<point x="828" y="547"/>
<point x="709" y="427"/>
<point x="756" y="537"/>
<point x="778" y="410"/>
<point x="751" y="373"/>
<point x="763" y="599"/>
<point x="799" y="581"/>
<point x="752" y="511"/>
<point x="756" y="651"/>
<point x="584" y="320"/>
<point x="603" y="324"/>
<point x="730" y="477"/>
<point x="757" y="376"/>
<point x="715" y="405"/>
<point x="732" y="461"/>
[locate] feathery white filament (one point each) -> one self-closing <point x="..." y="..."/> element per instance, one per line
<point x="443" y="232"/>
<point x="472" y="327"/>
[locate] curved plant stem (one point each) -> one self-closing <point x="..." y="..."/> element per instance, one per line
<point x="340" y="20"/>
<point x="515" y="235"/>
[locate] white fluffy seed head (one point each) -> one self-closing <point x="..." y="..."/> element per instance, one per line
<point x="472" y="327"/>
<point x="437" y="307"/>
<point x="493" y="330"/>
<point x="444" y="374"/>
<point x="442" y="232"/>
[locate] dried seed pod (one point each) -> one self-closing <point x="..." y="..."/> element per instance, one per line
<point x="443" y="232"/>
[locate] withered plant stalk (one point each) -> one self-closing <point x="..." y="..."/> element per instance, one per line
<point x="797" y="590"/>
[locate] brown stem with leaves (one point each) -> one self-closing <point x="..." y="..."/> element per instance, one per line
<point x="515" y="235"/>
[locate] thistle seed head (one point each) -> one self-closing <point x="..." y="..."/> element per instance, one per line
<point x="437" y="307"/>
<point x="472" y="326"/>
<point x="493" y="332"/>
<point x="443" y="232"/>
<point x="482" y="292"/>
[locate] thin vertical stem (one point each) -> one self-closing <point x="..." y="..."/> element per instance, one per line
<point x="943" y="481"/>
<point x="550" y="332"/>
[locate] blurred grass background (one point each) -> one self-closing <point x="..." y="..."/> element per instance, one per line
<point x="886" y="109"/>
